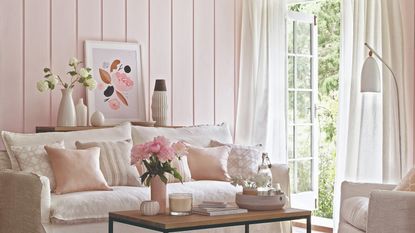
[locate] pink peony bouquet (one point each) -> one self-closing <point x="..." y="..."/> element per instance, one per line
<point x="156" y="156"/>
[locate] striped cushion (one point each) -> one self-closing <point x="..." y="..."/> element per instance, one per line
<point x="114" y="162"/>
<point x="181" y="166"/>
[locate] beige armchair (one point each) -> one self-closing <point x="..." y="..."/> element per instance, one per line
<point x="375" y="208"/>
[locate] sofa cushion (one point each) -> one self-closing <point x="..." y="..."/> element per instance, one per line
<point x="354" y="211"/>
<point x="4" y="161"/>
<point x="114" y="162"/>
<point x="94" y="206"/>
<point x="408" y="182"/>
<point x="243" y="160"/>
<point x="121" y="132"/>
<point x="35" y="159"/>
<point x="195" y="135"/>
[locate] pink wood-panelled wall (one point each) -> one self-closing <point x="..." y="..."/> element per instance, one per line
<point x="193" y="44"/>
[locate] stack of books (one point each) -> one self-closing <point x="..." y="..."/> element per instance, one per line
<point x="209" y="208"/>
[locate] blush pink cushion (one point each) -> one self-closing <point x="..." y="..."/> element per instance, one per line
<point x="408" y="182"/>
<point x="208" y="163"/>
<point x="76" y="170"/>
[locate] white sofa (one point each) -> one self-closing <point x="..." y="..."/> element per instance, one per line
<point x="27" y="205"/>
<point x="375" y="208"/>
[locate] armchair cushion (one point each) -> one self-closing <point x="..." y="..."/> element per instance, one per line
<point x="355" y="211"/>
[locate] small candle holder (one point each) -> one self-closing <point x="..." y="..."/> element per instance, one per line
<point x="180" y="204"/>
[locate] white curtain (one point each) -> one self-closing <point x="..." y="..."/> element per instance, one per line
<point x="261" y="113"/>
<point x="368" y="128"/>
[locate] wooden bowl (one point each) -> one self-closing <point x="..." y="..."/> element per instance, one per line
<point x="251" y="202"/>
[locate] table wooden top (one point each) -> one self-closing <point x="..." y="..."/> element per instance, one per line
<point x="194" y="220"/>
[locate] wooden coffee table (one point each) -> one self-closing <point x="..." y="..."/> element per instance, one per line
<point x="167" y="223"/>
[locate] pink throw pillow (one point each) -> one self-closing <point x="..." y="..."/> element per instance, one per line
<point x="408" y="182"/>
<point x="208" y="163"/>
<point x="76" y="170"/>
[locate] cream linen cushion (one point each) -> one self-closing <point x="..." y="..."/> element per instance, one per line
<point x="114" y="162"/>
<point x="194" y="135"/>
<point x="208" y="163"/>
<point x="243" y="161"/>
<point x="354" y="211"/>
<point x="76" y="170"/>
<point x="96" y="205"/>
<point x="181" y="166"/>
<point x="408" y="182"/>
<point x="117" y="133"/>
<point x="35" y="159"/>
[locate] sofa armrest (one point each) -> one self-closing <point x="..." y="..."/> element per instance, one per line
<point x="281" y="175"/>
<point x="24" y="202"/>
<point x="391" y="211"/>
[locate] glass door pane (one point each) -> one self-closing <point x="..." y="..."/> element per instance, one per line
<point x="302" y="91"/>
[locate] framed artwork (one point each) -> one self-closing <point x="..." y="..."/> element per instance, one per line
<point x="116" y="66"/>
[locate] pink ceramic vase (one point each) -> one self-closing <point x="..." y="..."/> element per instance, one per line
<point x="158" y="193"/>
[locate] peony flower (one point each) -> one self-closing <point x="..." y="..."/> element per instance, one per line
<point x="166" y="154"/>
<point x="90" y="83"/>
<point x="42" y="85"/>
<point x="155" y="148"/>
<point x="114" y="104"/>
<point x="73" y="61"/>
<point x="180" y="148"/>
<point x="83" y="73"/>
<point x="139" y="153"/>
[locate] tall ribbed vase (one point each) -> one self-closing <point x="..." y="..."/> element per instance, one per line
<point x="158" y="193"/>
<point x="159" y="104"/>
<point x="66" y="113"/>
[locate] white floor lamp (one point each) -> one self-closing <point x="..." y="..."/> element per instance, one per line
<point x="370" y="82"/>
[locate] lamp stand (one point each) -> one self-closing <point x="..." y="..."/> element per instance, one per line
<point x="371" y="50"/>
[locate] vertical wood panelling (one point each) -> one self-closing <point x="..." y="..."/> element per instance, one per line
<point x="224" y="61"/>
<point x="193" y="44"/>
<point x="37" y="55"/>
<point x="11" y="65"/>
<point x="160" y="46"/>
<point x="114" y="20"/>
<point x="63" y="46"/>
<point x="138" y="31"/>
<point x="182" y="76"/>
<point x="89" y="23"/>
<point x="204" y="62"/>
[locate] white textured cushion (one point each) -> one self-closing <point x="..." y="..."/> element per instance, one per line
<point x="243" y="160"/>
<point x="121" y="132"/>
<point x="195" y="135"/>
<point x="354" y="211"/>
<point x="4" y="161"/>
<point x="35" y="159"/>
<point x="114" y="161"/>
<point x="96" y="205"/>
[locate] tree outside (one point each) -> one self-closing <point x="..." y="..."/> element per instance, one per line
<point x="328" y="23"/>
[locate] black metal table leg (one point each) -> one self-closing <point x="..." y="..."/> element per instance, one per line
<point x="110" y="226"/>
<point x="309" y="224"/>
<point x="246" y="228"/>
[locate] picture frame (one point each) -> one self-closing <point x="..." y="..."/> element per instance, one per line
<point x="117" y="68"/>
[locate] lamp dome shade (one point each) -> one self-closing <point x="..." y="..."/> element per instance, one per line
<point x="370" y="78"/>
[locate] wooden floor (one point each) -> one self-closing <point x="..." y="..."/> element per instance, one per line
<point x="302" y="230"/>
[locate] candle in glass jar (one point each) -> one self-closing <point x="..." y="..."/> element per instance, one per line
<point x="180" y="203"/>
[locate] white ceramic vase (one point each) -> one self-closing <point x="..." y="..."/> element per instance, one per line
<point x="66" y="113"/>
<point x="81" y="113"/>
<point x="97" y="119"/>
<point x="159" y="107"/>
